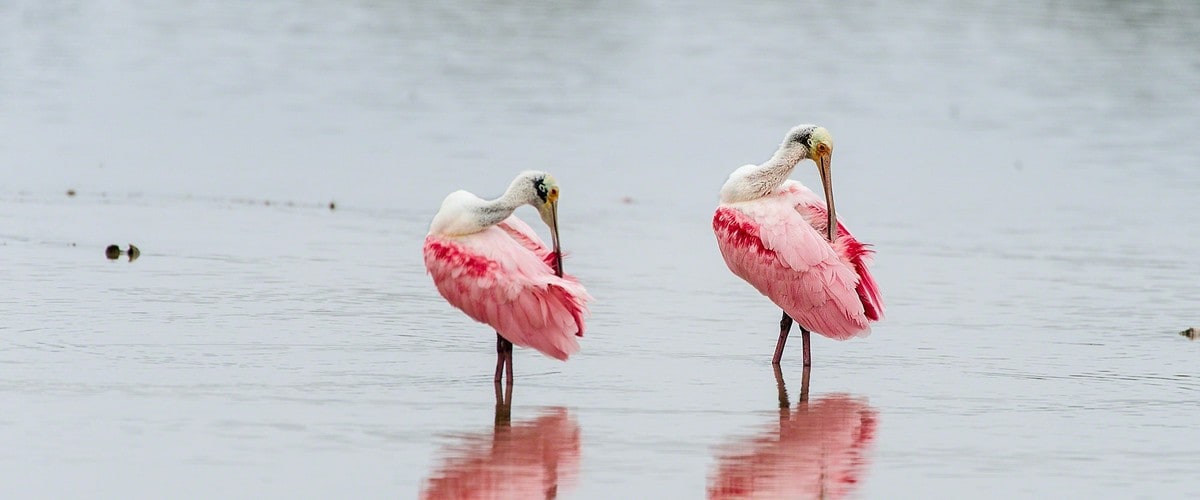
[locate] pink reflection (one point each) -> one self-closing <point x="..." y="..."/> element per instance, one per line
<point x="818" y="450"/>
<point x="529" y="459"/>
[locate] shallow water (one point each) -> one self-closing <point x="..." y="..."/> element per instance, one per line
<point x="1026" y="174"/>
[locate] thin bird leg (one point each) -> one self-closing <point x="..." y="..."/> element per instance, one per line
<point x="804" y="337"/>
<point x="508" y="356"/>
<point x="785" y="325"/>
<point x="500" y="359"/>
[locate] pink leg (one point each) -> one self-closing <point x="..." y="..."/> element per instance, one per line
<point x="807" y="357"/>
<point x="785" y="325"/>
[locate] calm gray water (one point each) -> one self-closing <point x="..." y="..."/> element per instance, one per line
<point x="1027" y="173"/>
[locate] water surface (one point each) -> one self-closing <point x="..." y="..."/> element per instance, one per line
<point x="1025" y="172"/>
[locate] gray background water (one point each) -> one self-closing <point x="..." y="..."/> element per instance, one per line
<point x="1027" y="173"/>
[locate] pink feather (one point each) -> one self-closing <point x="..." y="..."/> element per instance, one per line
<point x="775" y="243"/>
<point x="501" y="276"/>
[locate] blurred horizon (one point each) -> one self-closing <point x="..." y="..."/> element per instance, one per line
<point x="354" y="101"/>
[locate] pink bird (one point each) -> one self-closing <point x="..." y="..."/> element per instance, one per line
<point x="778" y="235"/>
<point x="491" y="265"/>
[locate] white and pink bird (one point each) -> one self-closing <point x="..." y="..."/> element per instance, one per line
<point x="773" y="232"/>
<point x="494" y="267"/>
<point x="782" y="239"/>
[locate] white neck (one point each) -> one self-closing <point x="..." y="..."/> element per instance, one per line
<point x="752" y="182"/>
<point x="464" y="213"/>
<point x="492" y="212"/>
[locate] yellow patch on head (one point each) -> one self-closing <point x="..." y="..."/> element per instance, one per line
<point x="820" y="137"/>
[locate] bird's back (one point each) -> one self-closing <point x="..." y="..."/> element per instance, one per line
<point x="455" y="216"/>
<point x="775" y="243"/>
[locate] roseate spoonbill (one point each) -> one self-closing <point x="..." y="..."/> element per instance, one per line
<point x="491" y="265"/>
<point x="778" y="235"/>
<point x="821" y="449"/>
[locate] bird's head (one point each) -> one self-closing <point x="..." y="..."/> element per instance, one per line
<point x="816" y="142"/>
<point x="542" y="193"/>
<point x="817" y="145"/>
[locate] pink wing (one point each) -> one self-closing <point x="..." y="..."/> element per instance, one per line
<point x="849" y="249"/>
<point x="520" y="231"/>
<point x="499" y="281"/>
<point x="771" y="244"/>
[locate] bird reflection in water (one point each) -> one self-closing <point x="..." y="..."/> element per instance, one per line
<point x="818" y="450"/>
<point x="529" y="459"/>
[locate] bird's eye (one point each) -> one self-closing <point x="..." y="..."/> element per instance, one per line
<point x="541" y="188"/>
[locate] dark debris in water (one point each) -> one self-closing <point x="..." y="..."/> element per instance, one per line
<point x="276" y="203"/>
<point x="70" y="192"/>
<point x="1191" y="333"/>
<point x="114" y="252"/>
